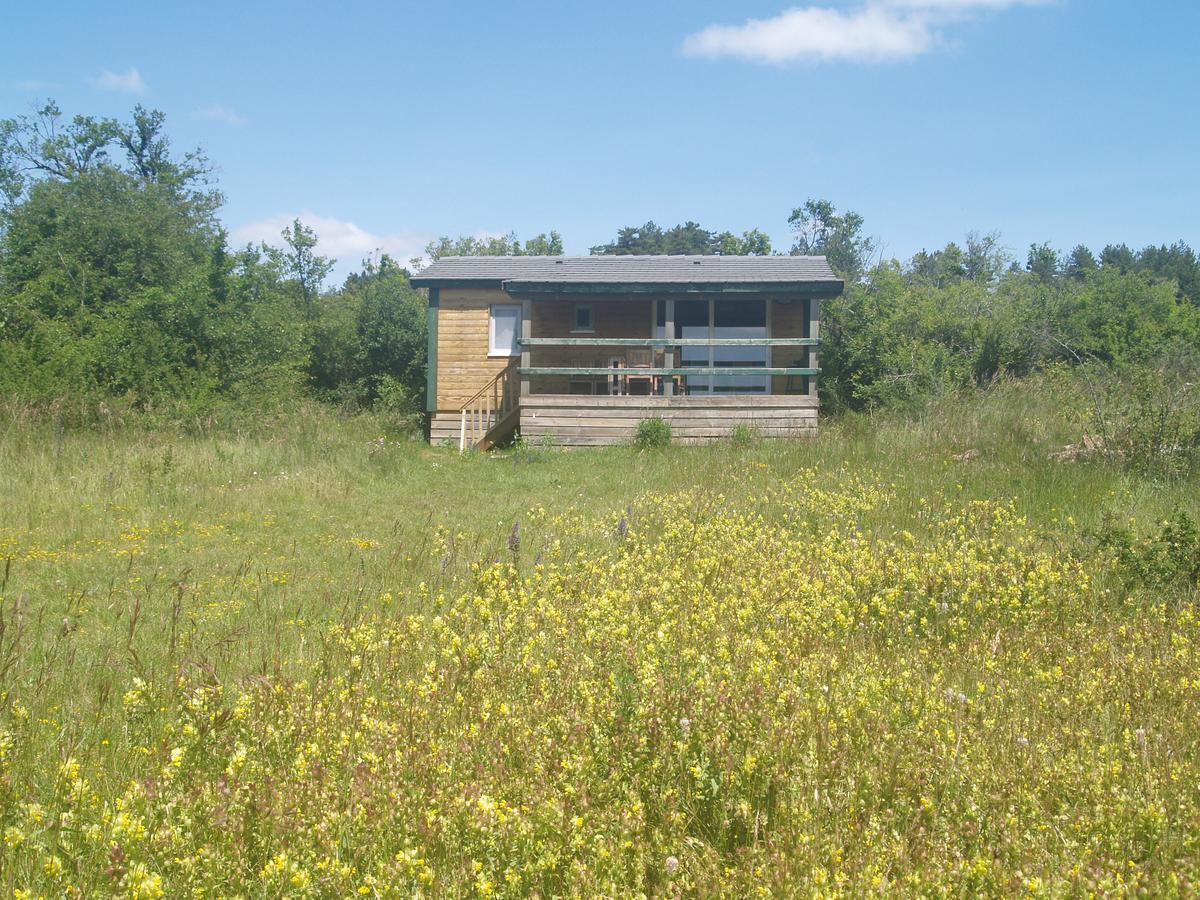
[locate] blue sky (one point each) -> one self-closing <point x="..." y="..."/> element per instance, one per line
<point x="387" y="124"/>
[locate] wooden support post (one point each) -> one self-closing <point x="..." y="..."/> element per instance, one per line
<point x="669" y="350"/>
<point x="431" y="361"/>
<point x="813" y="331"/>
<point x="526" y="332"/>
<point x="768" y="317"/>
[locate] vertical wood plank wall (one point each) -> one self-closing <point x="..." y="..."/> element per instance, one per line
<point x="788" y="318"/>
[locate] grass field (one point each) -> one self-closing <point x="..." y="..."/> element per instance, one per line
<point x="304" y="660"/>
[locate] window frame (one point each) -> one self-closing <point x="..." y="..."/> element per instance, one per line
<point x="515" y="349"/>
<point x="575" y="329"/>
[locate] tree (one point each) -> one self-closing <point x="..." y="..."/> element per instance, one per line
<point x="1119" y="256"/>
<point x="496" y="245"/>
<point x="751" y="243"/>
<point x="545" y="245"/>
<point x="1043" y="261"/>
<point x="820" y="231"/>
<point x="1080" y="261"/>
<point x="940" y="268"/>
<point x="115" y="280"/>
<point x="687" y="239"/>
<point x="302" y="265"/>
<point x="42" y="145"/>
<point x="985" y="259"/>
<point x="1177" y="263"/>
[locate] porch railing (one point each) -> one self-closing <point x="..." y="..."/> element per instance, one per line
<point x="489" y="409"/>
<point x="668" y="342"/>
<point x="676" y="370"/>
<point x="669" y="370"/>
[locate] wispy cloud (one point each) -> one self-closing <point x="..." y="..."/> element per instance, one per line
<point x="216" y="112"/>
<point x="127" y="82"/>
<point x="338" y="238"/>
<point x="35" y="86"/>
<point x="877" y="31"/>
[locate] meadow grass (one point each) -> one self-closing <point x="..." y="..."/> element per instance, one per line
<point x="307" y="658"/>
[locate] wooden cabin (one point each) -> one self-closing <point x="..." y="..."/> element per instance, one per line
<point x="578" y="349"/>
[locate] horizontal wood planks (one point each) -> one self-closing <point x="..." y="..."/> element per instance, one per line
<point x="444" y="426"/>
<point x="571" y="421"/>
<point x="463" y="364"/>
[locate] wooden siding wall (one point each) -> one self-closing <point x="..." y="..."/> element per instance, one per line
<point x="787" y="319"/>
<point x="597" y="421"/>
<point x="610" y="318"/>
<point x="463" y="364"/>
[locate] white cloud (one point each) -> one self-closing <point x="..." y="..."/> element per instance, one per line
<point x="878" y="31"/>
<point x="127" y="82"/>
<point x="962" y="5"/>
<point x="216" y="112"/>
<point x="338" y="238"/>
<point x="870" y="34"/>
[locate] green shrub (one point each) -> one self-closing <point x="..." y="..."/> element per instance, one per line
<point x="1167" y="559"/>
<point x="655" y="432"/>
<point x="1146" y="415"/>
<point x="743" y="435"/>
<point x="398" y="404"/>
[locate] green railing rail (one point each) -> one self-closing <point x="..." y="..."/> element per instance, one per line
<point x="667" y="342"/>
<point x="644" y="370"/>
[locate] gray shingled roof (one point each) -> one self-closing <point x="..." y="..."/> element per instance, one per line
<point x="615" y="270"/>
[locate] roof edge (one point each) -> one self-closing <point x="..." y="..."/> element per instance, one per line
<point x="514" y="286"/>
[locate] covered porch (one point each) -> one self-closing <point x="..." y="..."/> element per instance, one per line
<point x="591" y="367"/>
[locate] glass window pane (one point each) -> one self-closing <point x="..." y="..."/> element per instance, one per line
<point x="691" y="323"/>
<point x="739" y="320"/>
<point x="506" y="324"/>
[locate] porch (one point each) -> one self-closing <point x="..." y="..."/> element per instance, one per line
<point x="590" y="369"/>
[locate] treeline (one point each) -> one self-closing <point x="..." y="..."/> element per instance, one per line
<point x="118" y="286"/>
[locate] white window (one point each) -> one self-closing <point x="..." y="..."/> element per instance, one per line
<point x="583" y="318"/>
<point x="504" y="328"/>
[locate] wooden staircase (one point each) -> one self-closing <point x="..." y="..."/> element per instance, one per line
<point x="491" y="415"/>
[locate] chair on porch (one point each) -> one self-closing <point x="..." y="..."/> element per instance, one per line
<point x="640" y="358"/>
<point x="584" y="384"/>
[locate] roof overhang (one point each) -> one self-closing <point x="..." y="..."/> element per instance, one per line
<point x="810" y="288"/>
<point x="693" y="287"/>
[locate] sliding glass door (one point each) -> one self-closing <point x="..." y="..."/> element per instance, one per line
<point x="712" y="320"/>
<point x="739" y="319"/>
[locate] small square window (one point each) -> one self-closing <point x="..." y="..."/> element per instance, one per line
<point x="583" y="317"/>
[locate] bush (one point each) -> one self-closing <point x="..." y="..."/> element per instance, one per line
<point x="1164" y="560"/>
<point x="397" y="403"/>
<point x="743" y="436"/>
<point x="655" y="432"/>
<point x="1147" y="416"/>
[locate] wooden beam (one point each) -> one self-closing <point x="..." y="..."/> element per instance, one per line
<point x="814" y="332"/>
<point x="526" y="334"/>
<point x="667" y="342"/>
<point x="642" y="370"/>
<point x="668" y="335"/>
